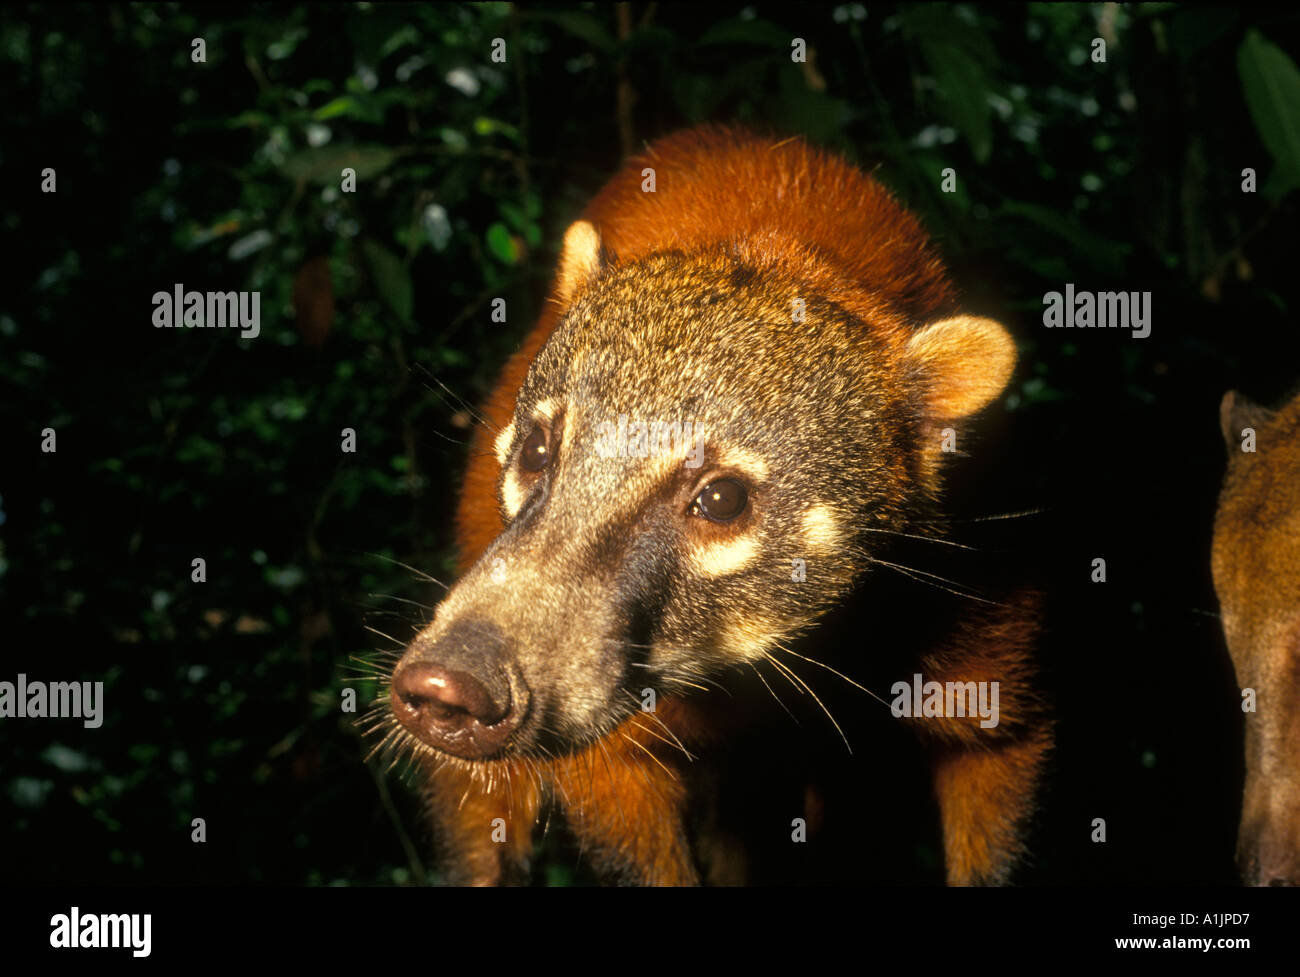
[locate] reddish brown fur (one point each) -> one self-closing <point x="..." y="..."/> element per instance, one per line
<point x="1256" y="563"/>
<point x="985" y="783"/>
<point x="706" y="179"/>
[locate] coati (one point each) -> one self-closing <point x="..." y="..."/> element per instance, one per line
<point x="730" y="414"/>
<point x="1256" y="566"/>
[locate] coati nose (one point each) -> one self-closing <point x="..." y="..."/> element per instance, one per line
<point x="454" y="696"/>
<point x="451" y="711"/>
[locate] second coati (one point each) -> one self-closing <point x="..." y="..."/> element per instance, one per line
<point x="732" y="412"/>
<point x="1256" y="563"/>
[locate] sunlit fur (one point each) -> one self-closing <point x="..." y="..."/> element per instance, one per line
<point x="1256" y="566"/>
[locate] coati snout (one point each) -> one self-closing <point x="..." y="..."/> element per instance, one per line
<point x="701" y="460"/>
<point x="461" y="693"/>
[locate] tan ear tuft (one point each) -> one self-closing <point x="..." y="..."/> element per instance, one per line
<point x="580" y="260"/>
<point x="1237" y="412"/>
<point x="967" y="360"/>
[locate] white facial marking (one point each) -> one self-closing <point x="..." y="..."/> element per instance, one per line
<point x="745" y="640"/>
<point x="566" y="436"/>
<point x="746" y="462"/>
<point x="820" y="533"/>
<point x="502" y="444"/>
<point x="512" y="493"/>
<point x="727" y="556"/>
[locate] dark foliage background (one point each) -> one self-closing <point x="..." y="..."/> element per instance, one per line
<point x="223" y="697"/>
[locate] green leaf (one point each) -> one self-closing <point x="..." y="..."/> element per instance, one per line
<point x="403" y="36"/>
<point x="283" y="47"/>
<point x="249" y="119"/>
<point x="484" y="126"/>
<point x="514" y="215"/>
<point x="343" y="105"/>
<point x="517" y="220"/>
<point x="501" y="244"/>
<point x="1272" y="88"/>
<point x="960" y="57"/>
<point x="325" y="165"/>
<point x="392" y="279"/>
<point x="964" y="87"/>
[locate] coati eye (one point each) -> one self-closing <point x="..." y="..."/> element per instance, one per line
<point x="721" y="501"/>
<point x="535" y="455"/>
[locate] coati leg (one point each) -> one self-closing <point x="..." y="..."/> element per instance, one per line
<point x="986" y="795"/>
<point x="625" y="805"/>
<point x="986" y="779"/>
<point x="484" y="835"/>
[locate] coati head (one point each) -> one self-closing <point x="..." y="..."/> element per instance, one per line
<point x="696" y="425"/>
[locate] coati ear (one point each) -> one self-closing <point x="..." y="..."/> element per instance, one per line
<point x="581" y="260"/>
<point x="1237" y="412"/>
<point x="967" y="361"/>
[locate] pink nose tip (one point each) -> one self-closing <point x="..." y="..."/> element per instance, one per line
<point x="451" y="711"/>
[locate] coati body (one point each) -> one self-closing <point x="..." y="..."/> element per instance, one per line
<point x="1256" y="563"/>
<point x="781" y="329"/>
